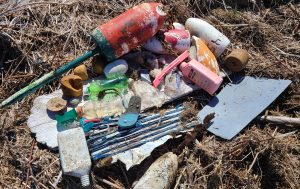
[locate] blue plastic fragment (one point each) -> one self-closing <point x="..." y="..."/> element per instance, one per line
<point x="128" y="120"/>
<point x="86" y="126"/>
<point x="240" y="102"/>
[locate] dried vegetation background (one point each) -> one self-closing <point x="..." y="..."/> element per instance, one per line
<point x="39" y="36"/>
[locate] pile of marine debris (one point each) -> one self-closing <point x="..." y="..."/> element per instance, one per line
<point x="103" y="111"/>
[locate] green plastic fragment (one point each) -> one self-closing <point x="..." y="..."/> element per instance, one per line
<point x="67" y="117"/>
<point x="118" y="83"/>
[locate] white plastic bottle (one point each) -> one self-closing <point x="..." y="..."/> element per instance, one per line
<point x="214" y="39"/>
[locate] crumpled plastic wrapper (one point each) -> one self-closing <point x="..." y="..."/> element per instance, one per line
<point x="95" y="109"/>
<point x="151" y="97"/>
<point x="175" y="86"/>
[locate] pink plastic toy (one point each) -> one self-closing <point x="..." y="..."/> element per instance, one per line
<point x="201" y="76"/>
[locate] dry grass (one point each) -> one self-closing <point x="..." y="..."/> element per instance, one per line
<point x="39" y="36"/>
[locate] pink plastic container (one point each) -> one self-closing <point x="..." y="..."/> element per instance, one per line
<point x="201" y="76"/>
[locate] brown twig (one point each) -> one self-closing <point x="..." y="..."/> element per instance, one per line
<point x="30" y="157"/>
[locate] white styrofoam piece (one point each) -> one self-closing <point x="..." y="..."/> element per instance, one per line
<point x="136" y="155"/>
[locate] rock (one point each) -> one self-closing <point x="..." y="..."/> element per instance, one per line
<point x="81" y="71"/>
<point x="98" y="64"/>
<point x="56" y="104"/>
<point x="71" y="86"/>
<point x="214" y="39"/>
<point x="118" y="66"/>
<point x="160" y="174"/>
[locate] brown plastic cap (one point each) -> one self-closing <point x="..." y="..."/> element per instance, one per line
<point x="56" y="104"/>
<point x="237" y="60"/>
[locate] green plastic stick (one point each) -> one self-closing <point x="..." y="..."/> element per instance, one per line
<point x="47" y="78"/>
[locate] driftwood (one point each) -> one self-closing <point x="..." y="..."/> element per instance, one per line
<point x="280" y="120"/>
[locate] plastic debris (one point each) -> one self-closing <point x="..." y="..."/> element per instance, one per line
<point x="56" y="104"/>
<point x="135" y="156"/>
<point x="148" y="128"/>
<point x="74" y="154"/>
<point x="169" y="68"/>
<point x="119" y="66"/>
<point x="204" y="55"/>
<point x="161" y="173"/>
<point x="69" y="116"/>
<point x="101" y="108"/>
<point x="81" y="71"/>
<point x="113" y="39"/>
<point x="179" y="39"/>
<point x="175" y="86"/>
<point x="146" y="19"/>
<point x="177" y="25"/>
<point x="117" y="83"/>
<point x="87" y="124"/>
<point x="145" y="76"/>
<point x="71" y="86"/>
<point x="280" y="120"/>
<point x="131" y="115"/>
<point x="236" y="60"/>
<point x="153" y="73"/>
<point x="74" y="101"/>
<point x="42" y="122"/>
<point x="112" y="111"/>
<point x="215" y="40"/>
<point x="201" y="76"/>
<point x="240" y="102"/>
<point x="151" y="97"/>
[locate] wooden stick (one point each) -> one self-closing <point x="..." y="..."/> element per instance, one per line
<point x="30" y="157"/>
<point x="280" y="120"/>
<point x="109" y="183"/>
